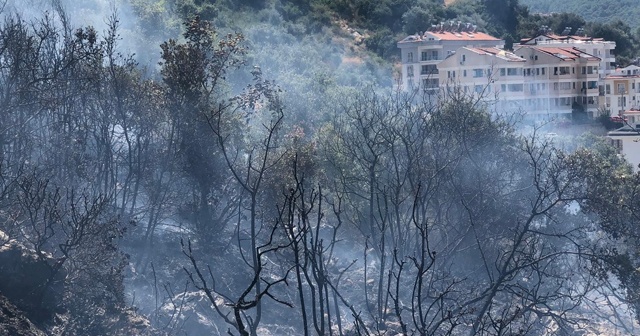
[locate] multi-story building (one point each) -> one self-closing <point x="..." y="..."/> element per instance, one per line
<point x="421" y="53"/>
<point x="594" y="46"/>
<point x="539" y="81"/>
<point x="490" y="73"/>
<point x="622" y="91"/>
<point x="627" y="141"/>
<point x="570" y="79"/>
<point x="545" y="75"/>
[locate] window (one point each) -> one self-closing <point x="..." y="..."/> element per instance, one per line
<point x="617" y="144"/>
<point x="477" y="73"/>
<point x="516" y="87"/>
<point x="537" y="71"/>
<point x="429" y="69"/>
<point x="464" y="72"/>
<point x="478" y="89"/>
<point x="561" y="70"/>
<point x="410" y="57"/>
<point x="584" y="70"/>
<point x="565" y="86"/>
<point x="592" y="85"/>
<point x="429" y="55"/>
<point x="608" y="89"/>
<point x="409" y="70"/>
<point x="513" y="71"/>
<point x="621" y="89"/>
<point x="622" y="101"/>
<point x="464" y="58"/>
<point x="429" y="83"/>
<point x="502" y="72"/>
<point x="543" y="70"/>
<point x="503" y="87"/>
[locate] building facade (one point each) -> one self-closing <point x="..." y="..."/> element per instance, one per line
<point x="569" y="78"/>
<point x="538" y="81"/>
<point x="421" y="53"/>
<point x="627" y="141"/>
<point x="544" y="76"/>
<point x="598" y="47"/>
<point x="488" y="73"/>
<point x="622" y="91"/>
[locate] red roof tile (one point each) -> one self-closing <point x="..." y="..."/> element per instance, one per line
<point x="462" y="36"/>
<point x="507" y="55"/>
<point x="567" y="54"/>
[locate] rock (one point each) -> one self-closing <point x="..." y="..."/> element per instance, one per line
<point x="33" y="282"/>
<point x="14" y="322"/>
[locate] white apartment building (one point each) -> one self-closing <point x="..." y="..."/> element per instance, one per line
<point x="594" y="46"/>
<point x="622" y="91"/>
<point x="627" y="141"/>
<point x="421" y="53"/>
<point x="489" y="73"/>
<point x="539" y="81"/>
<point x="571" y="77"/>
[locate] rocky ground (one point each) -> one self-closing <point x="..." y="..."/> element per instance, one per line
<point x="14" y="321"/>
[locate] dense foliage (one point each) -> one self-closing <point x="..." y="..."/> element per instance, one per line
<point x="591" y="10"/>
<point x="382" y="23"/>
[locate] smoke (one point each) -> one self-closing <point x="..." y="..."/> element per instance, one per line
<point x="134" y="38"/>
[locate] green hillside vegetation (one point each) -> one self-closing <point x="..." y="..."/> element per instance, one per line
<point x="592" y="10"/>
<point x="381" y="23"/>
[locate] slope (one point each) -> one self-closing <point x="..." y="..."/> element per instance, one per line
<point x="591" y="10"/>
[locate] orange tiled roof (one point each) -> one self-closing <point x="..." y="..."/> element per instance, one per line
<point x="507" y="55"/>
<point x="567" y="54"/>
<point x="561" y="38"/>
<point x="462" y="36"/>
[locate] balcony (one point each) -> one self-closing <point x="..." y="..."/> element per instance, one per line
<point x="429" y="70"/>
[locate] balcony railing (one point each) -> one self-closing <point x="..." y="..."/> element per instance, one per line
<point x="429" y="72"/>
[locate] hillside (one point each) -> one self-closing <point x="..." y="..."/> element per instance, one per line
<point x="592" y="10"/>
<point x="247" y="167"/>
